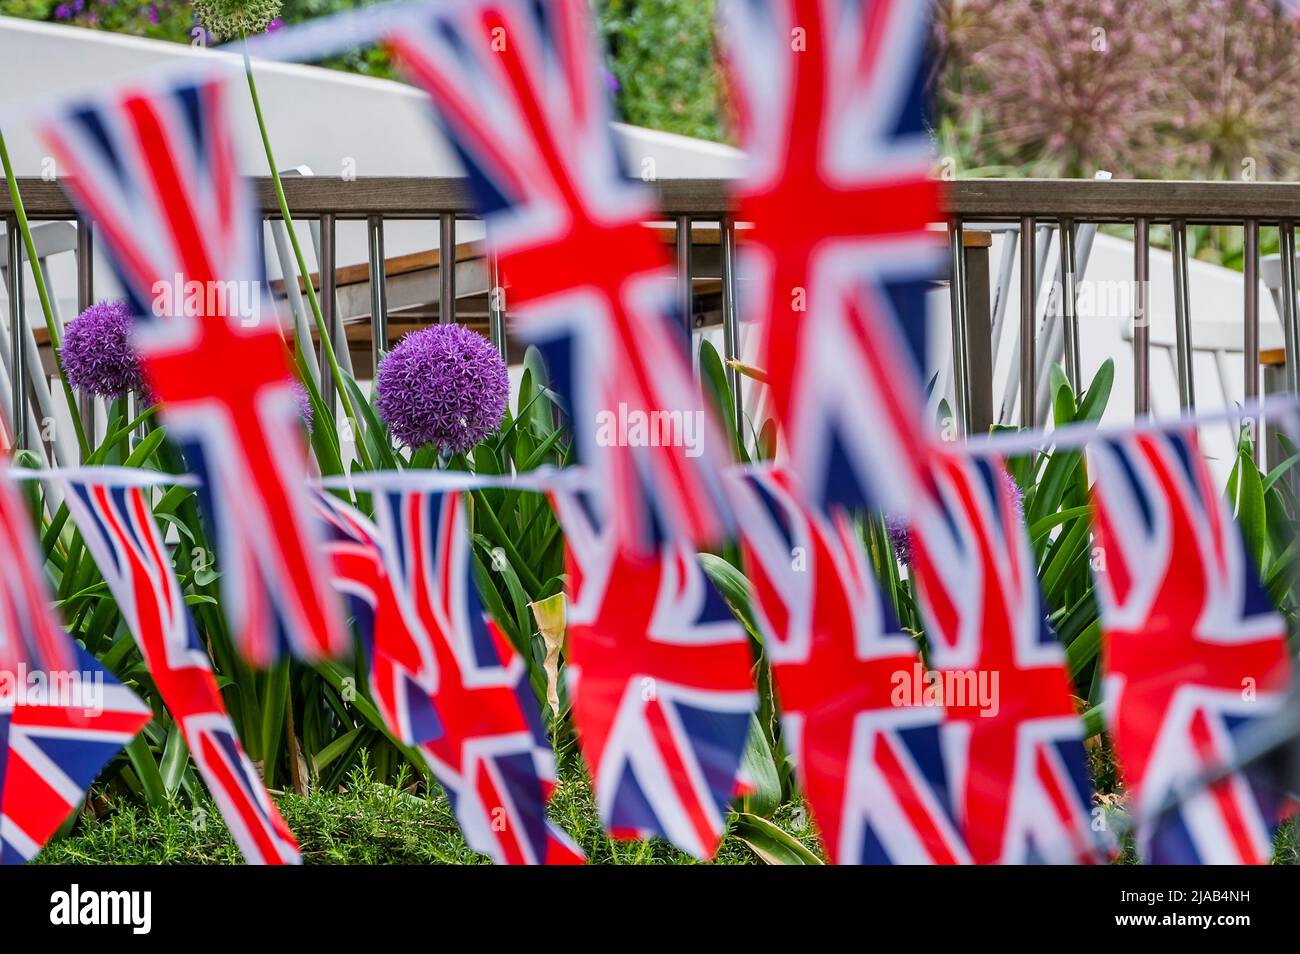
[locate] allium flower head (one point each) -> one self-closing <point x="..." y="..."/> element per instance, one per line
<point x="232" y="19"/>
<point x="97" y="354"/>
<point x="900" y="540"/>
<point x="443" y="385"/>
<point x="305" y="410"/>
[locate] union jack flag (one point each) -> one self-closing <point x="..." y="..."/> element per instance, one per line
<point x="483" y="739"/>
<point x="828" y="98"/>
<point x="517" y="89"/>
<point x="155" y="170"/>
<point x="868" y="754"/>
<point x="1013" y="735"/>
<point x="1194" y="653"/>
<point x="659" y="675"/>
<point x="52" y="748"/>
<point x="58" y="729"/>
<point x="118" y="528"/>
<point x="403" y="673"/>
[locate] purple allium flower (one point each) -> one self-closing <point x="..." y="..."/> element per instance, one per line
<point x="305" y="410"/>
<point x="897" y="531"/>
<point x="899" y="539"/>
<point x="443" y="385"/>
<point x="1017" y="496"/>
<point x="97" y="354"/>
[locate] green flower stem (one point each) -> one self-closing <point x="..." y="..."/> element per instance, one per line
<point x="56" y="339"/>
<point x="335" y="370"/>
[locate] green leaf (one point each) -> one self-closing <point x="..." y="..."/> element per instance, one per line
<point x="1095" y="398"/>
<point x="773" y="845"/>
<point x="175" y="759"/>
<point x="1083" y="649"/>
<point x="1094" y="721"/>
<point x="1042" y="527"/>
<point x="761" y="769"/>
<point x="338" y="747"/>
<point x="714" y="377"/>
<point x="735" y="589"/>
<point x="1276" y="473"/>
<point x="374" y="434"/>
<point x="1248" y="506"/>
<point x="146" y="770"/>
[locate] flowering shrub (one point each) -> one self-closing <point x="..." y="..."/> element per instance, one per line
<point x="1168" y="88"/>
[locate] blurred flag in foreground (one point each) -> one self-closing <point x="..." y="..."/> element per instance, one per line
<point x="1195" y="653"/>
<point x="517" y="89"/>
<point x="155" y="170"/>
<point x="829" y="102"/>
<point x="117" y="525"/>
<point x="62" y="716"/>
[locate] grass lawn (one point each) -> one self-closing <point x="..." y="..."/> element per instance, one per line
<point x="371" y="823"/>
<point x="366" y="823"/>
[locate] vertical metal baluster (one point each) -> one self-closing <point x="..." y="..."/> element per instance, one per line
<point x="1142" y="317"/>
<point x="1182" y="316"/>
<point x="378" y="295"/>
<point x="730" y="320"/>
<point x="960" y="356"/>
<point x="1290" y="325"/>
<point x="496" y="304"/>
<point x="685" y="300"/>
<point x="326" y="298"/>
<point x="446" y="268"/>
<point x="86" y="298"/>
<point x="1250" y="320"/>
<point x="1028" y="314"/>
<point x="1069" y="308"/>
<point x="17" y="334"/>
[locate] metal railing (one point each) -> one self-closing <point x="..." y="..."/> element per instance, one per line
<point x="1026" y="203"/>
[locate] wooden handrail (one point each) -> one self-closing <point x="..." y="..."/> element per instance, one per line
<point x="1084" y="200"/>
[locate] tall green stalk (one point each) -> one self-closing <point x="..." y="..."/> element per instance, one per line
<point x="56" y="339"/>
<point x="335" y="371"/>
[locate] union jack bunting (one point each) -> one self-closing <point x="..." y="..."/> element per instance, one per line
<point x="1012" y="733"/>
<point x="403" y="674"/>
<point x="56" y="745"/>
<point x="828" y="97"/>
<point x="484" y="740"/>
<point x="155" y="170"/>
<point x="659" y="675"/>
<point x="867" y="751"/>
<point x="517" y="89"/>
<point x="118" y="528"/>
<point x="62" y="716"/>
<point x="1194" y="653"/>
<point x="30" y="635"/>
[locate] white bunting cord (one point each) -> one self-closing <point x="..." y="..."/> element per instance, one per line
<point x="542" y="480"/>
<point x="105" y="476"/>
<point x="1077" y="435"/>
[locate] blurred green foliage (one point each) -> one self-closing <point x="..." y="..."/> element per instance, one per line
<point x="661" y="54"/>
